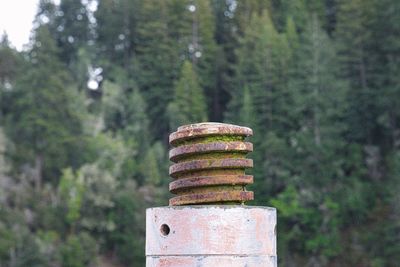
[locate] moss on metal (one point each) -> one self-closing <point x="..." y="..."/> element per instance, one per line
<point x="210" y="161"/>
<point x="209" y="139"/>
<point x="213" y="155"/>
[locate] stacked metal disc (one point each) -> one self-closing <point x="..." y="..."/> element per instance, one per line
<point x="209" y="164"/>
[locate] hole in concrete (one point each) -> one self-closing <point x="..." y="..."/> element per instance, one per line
<point x="165" y="230"/>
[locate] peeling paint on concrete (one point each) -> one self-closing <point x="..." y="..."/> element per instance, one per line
<point x="211" y="236"/>
<point x="214" y="261"/>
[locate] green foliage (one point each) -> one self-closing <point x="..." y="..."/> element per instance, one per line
<point x="317" y="81"/>
<point x="204" y="54"/>
<point x="71" y="191"/>
<point x="125" y="113"/>
<point x="10" y="61"/>
<point x="117" y="30"/>
<point x="19" y="247"/>
<point x="262" y="61"/>
<point x="247" y="113"/>
<point x="45" y="139"/>
<point x="71" y="28"/>
<point x="150" y="167"/>
<point x="99" y="187"/>
<point x="188" y="105"/>
<point x="4" y="143"/>
<point x="7" y="242"/>
<point x="78" y="250"/>
<point x="127" y="241"/>
<point x="154" y="45"/>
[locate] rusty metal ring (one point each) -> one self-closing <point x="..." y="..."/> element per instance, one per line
<point x="209" y="181"/>
<point x="207" y="164"/>
<point x="181" y="151"/>
<point x="212" y="197"/>
<point x="207" y="129"/>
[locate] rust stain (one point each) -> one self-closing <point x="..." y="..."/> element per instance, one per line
<point x="205" y="164"/>
<point x="181" y="152"/>
<point x="207" y="129"/>
<point x="209" y="164"/>
<point x="210" y="181"/>
<point x="212" y="198"/>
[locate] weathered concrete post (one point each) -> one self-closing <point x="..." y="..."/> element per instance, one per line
<point x="207" y="224"/>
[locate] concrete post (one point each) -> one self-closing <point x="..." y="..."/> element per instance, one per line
<point x="207" y="224"/>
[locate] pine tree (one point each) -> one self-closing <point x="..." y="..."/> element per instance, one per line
<point x="124" y="112"/>
<point x="227" y="41"/>
<point x="117" y="26"/>
<point x="156" y="64"/>
<point x="46" y="15"/>
<point x="204" y="56"/>
<point x="43" y="122"/>
<point x="4" y="167"/>
<point x="71" y="29"/>
<point x="282" y="10"/>
<point x="188" y="105"/>
<point x="319" y="92"/>
<point x="191" y="27"/>
<point x="353" y="39"/>
<point x="292" y="35"/>
<point x="245" y="11"/>
<point x="262" y="61"/>
<point x="384" y="66"/>
<point x="181" y="23"/>
<point x="319" y="158"/>
<point x="10" y="63"/>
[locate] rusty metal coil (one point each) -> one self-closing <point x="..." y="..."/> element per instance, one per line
<point x="209" y="164"/>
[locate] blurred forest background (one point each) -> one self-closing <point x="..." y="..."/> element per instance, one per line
<point x="86" y="109"/>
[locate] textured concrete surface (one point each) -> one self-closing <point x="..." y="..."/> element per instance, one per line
<point x="214" y="261"/>
<point x="217" y="236"/>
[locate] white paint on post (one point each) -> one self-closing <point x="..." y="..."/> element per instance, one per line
<point x="205" y="236"/>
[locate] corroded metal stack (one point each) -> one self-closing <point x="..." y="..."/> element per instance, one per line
<point x="210" y="162"/>
<point x="206" y="224"/>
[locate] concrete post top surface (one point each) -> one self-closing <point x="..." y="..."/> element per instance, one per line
<point x="224" y="207"/>
<point x="211" y="230"/>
